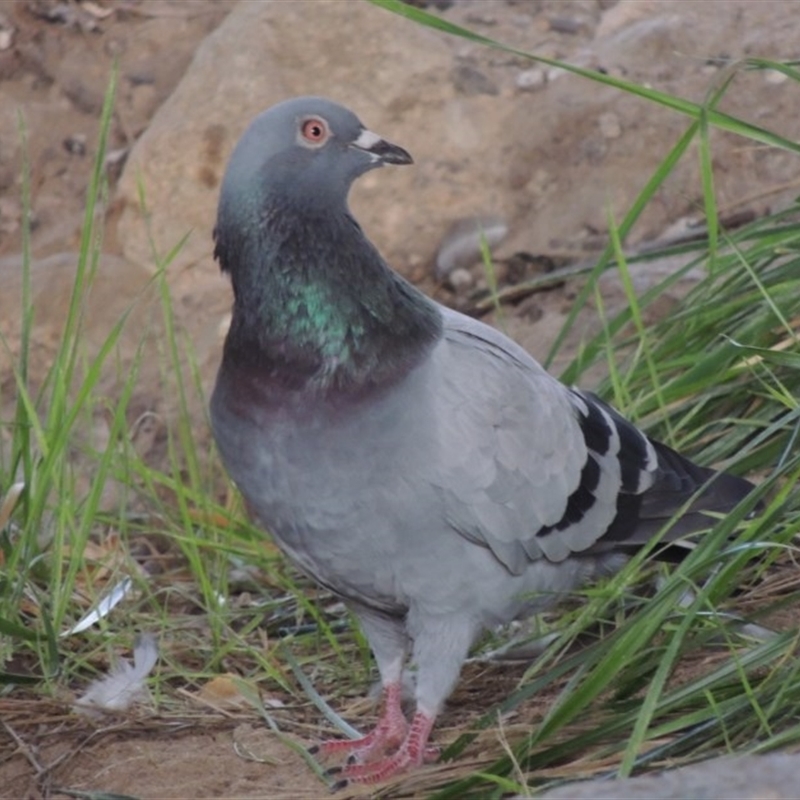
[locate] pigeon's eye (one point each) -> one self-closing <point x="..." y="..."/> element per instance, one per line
<point x="315" y="130"/>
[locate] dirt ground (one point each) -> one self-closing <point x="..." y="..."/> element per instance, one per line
<point x="197" y="753"/>
<point x="55" y="66"/>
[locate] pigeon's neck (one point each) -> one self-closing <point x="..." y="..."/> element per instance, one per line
<point x="315" y="305"/>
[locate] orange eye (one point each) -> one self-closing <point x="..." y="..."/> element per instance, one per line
<point x="315" y="130"/>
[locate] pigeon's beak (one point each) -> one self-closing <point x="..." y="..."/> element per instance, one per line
<point x="380" y="150"/>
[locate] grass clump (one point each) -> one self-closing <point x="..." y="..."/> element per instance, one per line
<point x="676" y="675"/>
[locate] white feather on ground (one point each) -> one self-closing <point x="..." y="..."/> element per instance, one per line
<point x="124" y="685"/>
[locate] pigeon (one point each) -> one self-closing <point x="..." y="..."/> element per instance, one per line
<point x="414" y="461"/>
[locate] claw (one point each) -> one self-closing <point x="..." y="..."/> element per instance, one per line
<point x="392" y="747"/>
<point x="386" y="736"/>
<point x="413" y="752"/>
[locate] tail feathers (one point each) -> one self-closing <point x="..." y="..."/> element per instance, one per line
<point x="720" y="490"/>
<point x="678" y="480"/>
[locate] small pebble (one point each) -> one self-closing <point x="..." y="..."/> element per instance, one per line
<point x="530" y="310"/>
<point x="6" y="32"/>
<point x="460" y="280"/>
<point x="565" y="25"/>
<point x="462" y="244"/>
<point x="223" y="326"/>
<point x="555" y="72"/>
<point x="115" y="161"/>
<point x="774" y="77"/>
<point x="76" y="144"/>
<point x="530" y="80"/>
<point x="610" y="126"/>
<point x="141" y="77"/>
<point x="470" y="81"/>
<point x="10" y="215"/>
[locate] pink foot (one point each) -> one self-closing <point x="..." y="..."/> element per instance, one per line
<point x="392" y="747"/>
<point x="412" y="752"/>
<point x="386" y="736"/>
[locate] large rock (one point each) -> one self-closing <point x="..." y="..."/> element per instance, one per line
<point x="766" y="777"/>
<point x="551" y="157"/>
<point x="262" y="53"/>
<point x="119" y="291"/>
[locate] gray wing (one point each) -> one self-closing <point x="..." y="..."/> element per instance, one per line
<point x="535" y="469"/>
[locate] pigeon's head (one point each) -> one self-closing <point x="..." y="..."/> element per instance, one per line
<point x="306" y="149"/>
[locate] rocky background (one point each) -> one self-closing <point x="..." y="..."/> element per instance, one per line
<point x="540" y="156"/>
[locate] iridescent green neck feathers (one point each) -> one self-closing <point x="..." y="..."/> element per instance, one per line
<point x="307" y="315"/>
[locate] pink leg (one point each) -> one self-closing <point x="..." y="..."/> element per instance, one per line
<point x="413" y="752"/>
<point x="387" y="735"/>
